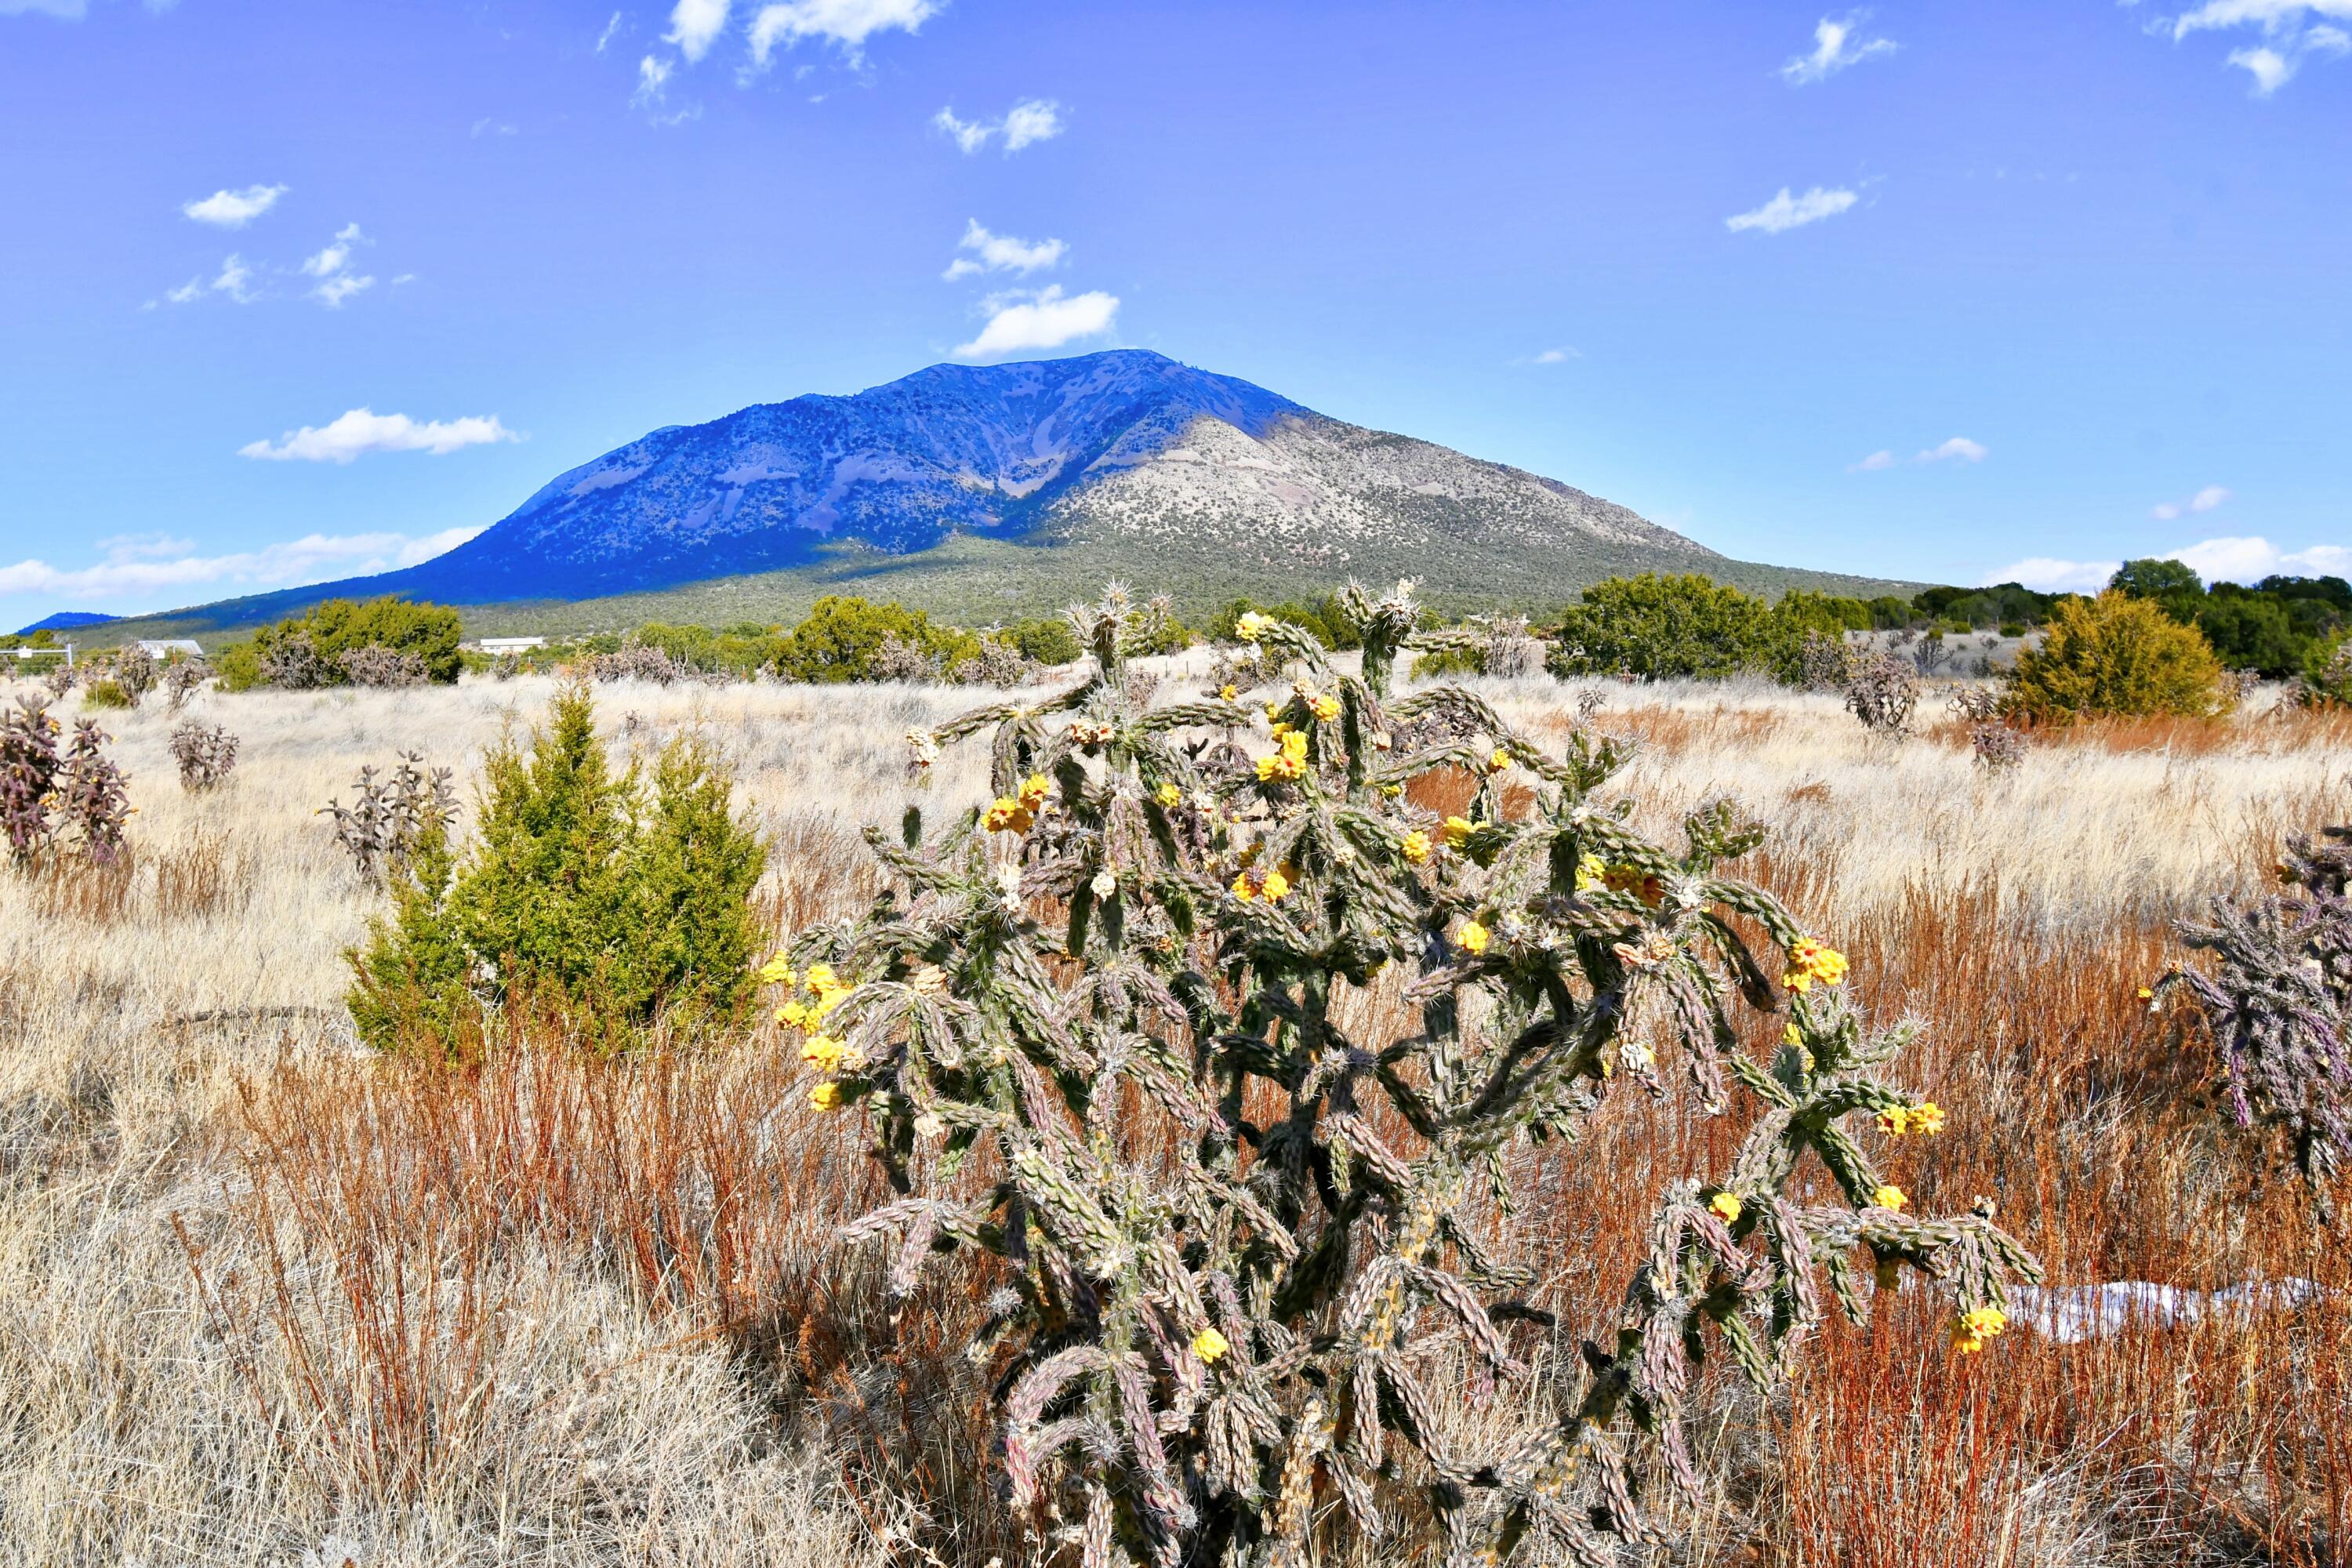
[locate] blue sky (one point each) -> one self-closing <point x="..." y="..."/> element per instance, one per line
<point x="1940" y="291"/>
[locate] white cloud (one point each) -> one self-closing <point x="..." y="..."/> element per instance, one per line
<point x="362" y="430"/>
<point x="846" y="23"/>
<point x="1002" y="253"/>
<point x="1041" y="321"/>
<point x="2292" y="33"/>
<point x="1557" y="356"/>
<point x="1836" y="45"/>
<point x="234" y="209"/>
<point x="236" y="280"/>
<point x="65" y="10"/>
<point x="147" y="566"/>
<point x="332" y="267"/>
<point x="417" y="551"/>
<point x="653" y="78"/>
<point x="1959" y="449"/>
<point x="605" y="37"/>
<point x="2247" y="560"/>
<point x="2205" y="500"/>
<point x="1785" y="212"/>
<point x="970" y="135"/>
<point x="693" y="25"/>
<point x="1032" y="119"/>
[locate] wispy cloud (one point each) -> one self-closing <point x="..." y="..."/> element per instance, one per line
<point x="653" y="81"/>
<point x="2292" y="32"/>
<point x="1958" y="449"/>
<point x="1045" y="319"/>
<point x="146" y="566"/>
<point x="361" y="431"/>
<point x="846" y="24"/>
<point x="1837" y="44"/>
<point x="693" y="25"/>
<point x="1002" y="253"/>
<point x="234" y="209"/>
<point x="1031" y="120"/>
<point x="2227" y="560"/>
<point x="332" y="267"/>
<point x="1785" y="212"/>
<point x="1555" y="356"/>
<point x="2205" y="500"/>
<point x="605" y="37"/>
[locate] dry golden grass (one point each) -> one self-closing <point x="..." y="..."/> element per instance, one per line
<point x="263" y="1300"/>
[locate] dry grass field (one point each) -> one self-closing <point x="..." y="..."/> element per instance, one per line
<point x="263" y="1300"/>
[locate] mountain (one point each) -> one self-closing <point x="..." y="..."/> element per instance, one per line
<point x="1125" y="463"/>
<point x="65" y="621"/>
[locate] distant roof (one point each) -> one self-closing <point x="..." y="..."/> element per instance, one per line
<point x="172" y="644"/>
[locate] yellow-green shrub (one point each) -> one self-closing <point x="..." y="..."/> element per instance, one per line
<point x="2116" y="654"/>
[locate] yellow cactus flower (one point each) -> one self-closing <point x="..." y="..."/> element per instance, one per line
<point x="1458" y="830"/>
<point x="1169" y="796"/>
<point x="1276" y="888"/>
<point x="1209" y="1344"/>
<point x="1280" y="729"/>
<point x="1888" y="1197"/>
<point x="1273" y="712"/>
<point x="1416" y="847"/>
<point x="1590" y="872"/>
<point x="1252" y="626"/>
<point x="1035" y="789"/>
<point x="2146" y="995"/>
<point x="1324" y="706"/>
<point x="1896" y="1120"/>
<point x="821" y="977"/>
<point x="1472" y="938"/>
<point x="795" y="1014"/>
<point x="1008" y="816"/>
<point x="1790" y="1035"/>
<point x="1500" y="760"/>
<point x="1243" y="889"/>
<point x="1972" y="1329"/>
<point x="1809" y="960"/>
<point x="1727" y="1209"/>
<point x="1928" y="1118"/>
<point x="1225" y="693"/>
<point x="1390" y="791"/>
<point x="825" y="1097"/>
<point x="777" y="971"/>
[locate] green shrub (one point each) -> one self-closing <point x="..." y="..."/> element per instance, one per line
<point x="583" y="890"/>
<point x="2327" y="672"/>
<point x="843" y="636"/>
<point x="337" y="627"/>
<point x="1049" y="640"/>
<point x="106" y="693"/>
<point x="1110" y="1036"/>
<point x="238" y="667"/>
<point x="2116" y="654"/>
<point x="1658" y="628"/>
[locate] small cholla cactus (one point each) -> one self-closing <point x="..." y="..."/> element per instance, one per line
<point x="2278" y="1000"/>
<point x="387" y="820"/>
<point x="506" y="666"/>
<point x="896" y="658"/>
<point x="998" y="663"/>
<point x="181" y="680"/>
<point x="1882" y="690"/>
<point x="28" y="777"/>
<point x="294" y="664"/>
<point x="90" y="797"/>
<point x="1972" y="704"/>
<point x="135" y="670"/>
<point x="1825" y="662"/>
<point x="376" y="665"/>
<point x="637" y="661"/>
<point x="1101" y="1038"/>
<point x="1996" y="745"/>
<point x="60" y="679"/>
<point x="205" y="755"/>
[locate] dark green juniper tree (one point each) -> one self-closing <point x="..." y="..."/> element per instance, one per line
<point x="1099" y="1036"/>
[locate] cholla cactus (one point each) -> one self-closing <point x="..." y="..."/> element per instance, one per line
<point x="2278" y="1000"/>
<point x="90" y="797"/>
<point x="386" y="821"/>
<point x="135" y="671"/>
<point x="1099" y="1039"/>
<point x="205" y="755"/>
<point x="1882" y="690"/>
<point x="182" y="678"/>
<point x="62" y="679"/>
<point x="376" y="665"/>
<point x="1824" y="661"/>
<point x="28" y="777"/>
